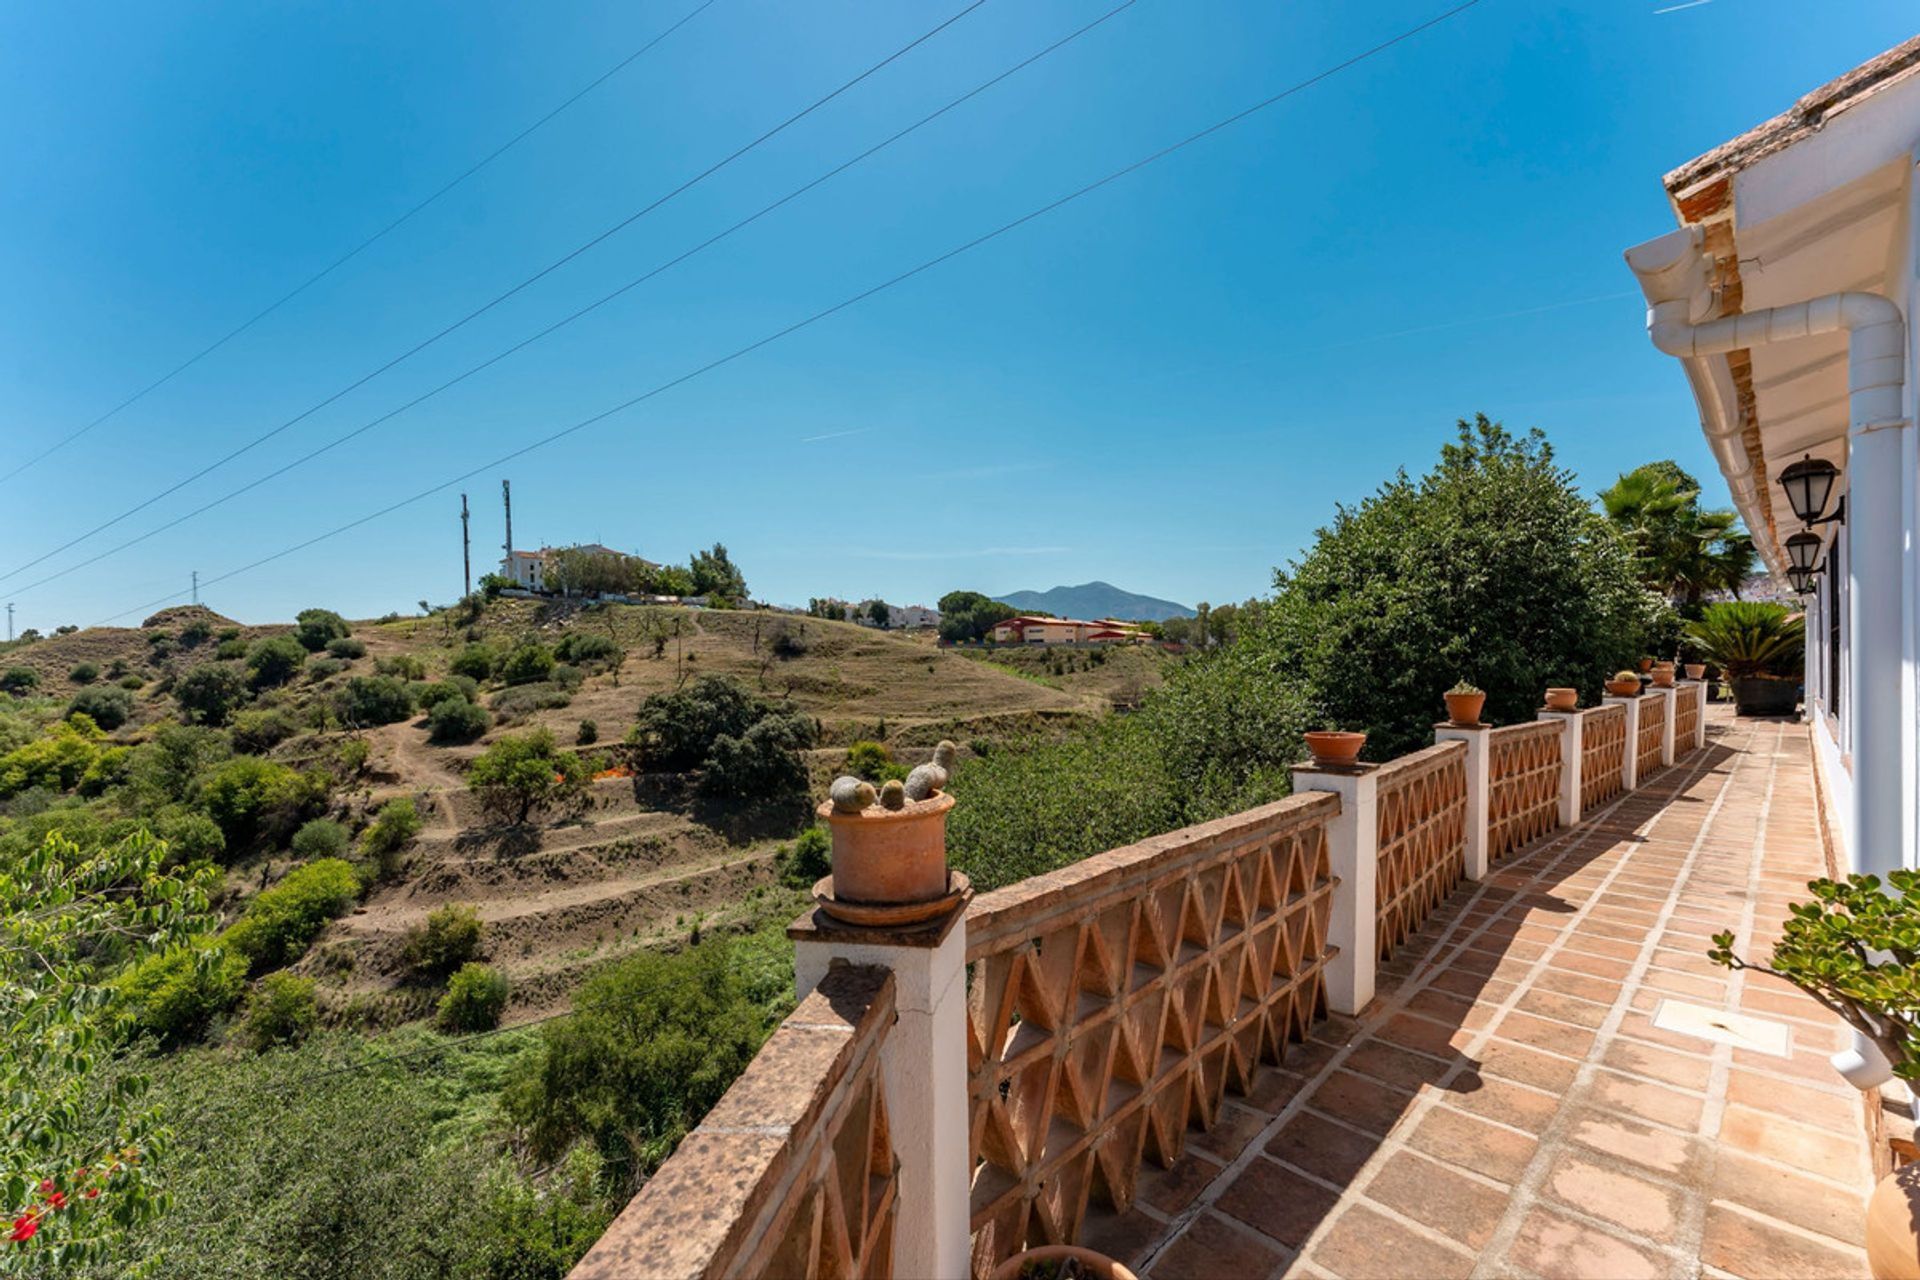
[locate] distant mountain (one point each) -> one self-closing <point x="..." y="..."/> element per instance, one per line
<point x="1096" y="600"/>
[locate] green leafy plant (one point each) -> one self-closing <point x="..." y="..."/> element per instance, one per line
<point x="448" y="938"/>
<point x="456" y="720"/>
<point x="373" y="700"/>
<point x="320" y="838"/>
<point x="275" y="661"/>
<point x="1751" y="638"/>
<point x="84" y="673"/>
<point x="210" y="693"/>
<point x="315" y="629"/>
<point x="526" y="664"/>
<point x="282" y="1010"/>
<point x="18" y="680"/>
<point x="476" y="997"/>
<point x="1466" y="688"/>
<point x="872" y="761"/>
<point x="525" y="772"/>
<point x="76" y="1158"/>
<point x="808" y="858"/>
<point x="476" y="662"/>
<point x="278" y="925"/>
<point x="1855" y="948"/>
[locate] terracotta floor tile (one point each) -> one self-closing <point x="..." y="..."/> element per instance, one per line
<point x="1661" y="1064"/>
<point x="1401" y="1068"/>
<point x="1774" y="1191"/>
<point x="1474" y="1144"/>
<point x="1509" y="1104"/>
<point x="1556" y="1247"/>
<point x="1232" y="1130"/>
<point x="1323" y="1148"/>
<point x="1797" y="1146"/>
<point x="1676" y="1156"/>
<point x="1213" y="1246"/>
<point x="1463" y="1209"/>
<point x="1748" y="1247"/>
<point x="1619" y="1195"/>
<point x="1278" y="1202"/>
<point x="1839" y="1113"/>
<point x="1540" y="1033"/>
<point x="1361" y="1102"/>
<point x="1647" y="1101"/>
<point x="1172" y="1189"/>
<point x="1364" y="1245"/>
<point x="1562" y="1008"/>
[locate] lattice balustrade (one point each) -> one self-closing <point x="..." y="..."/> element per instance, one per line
<point x="1603" y="755"/>
<point x="1421" y="806"/>
<point x="1113" y="1002"/>
<point x="1686" y="718"/>
<point x="1653" y="731"/>
<point x="792" y="1173"/>
<point x="1523" y="785"/>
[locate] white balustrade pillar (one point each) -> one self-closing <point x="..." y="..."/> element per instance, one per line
<point x="1697" y="690"/>
<point x="1353" y="851"/>
<point x="1630" y="759"/>
<point x="1571" y="724"/>
<point x="923" y="1064"/>
<point x="1479" y="742"/>
<point x="1667" y="743"/>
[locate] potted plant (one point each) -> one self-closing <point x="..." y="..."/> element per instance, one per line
<point x="1464" y="702"/>
<point x="1759" y="648"/>
<point x="1334" y="747"/>
<point x="1853" y="949"/>
<point x="1646" y="662"/>
<point x="1061" y="1262"/>
<point x="1562" y="698"/>
<point x="1623" y="684"/>
<point x="1663" y="675"/>
<point x="1696" y="670"/>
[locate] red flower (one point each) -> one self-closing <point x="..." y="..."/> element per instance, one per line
<point x="93" y="1193"/>
<point x="81" y="1172"/>
<point x="46" y="1186"/>
<point x="58" y="1200"/>
<point x="24" y="1228"/>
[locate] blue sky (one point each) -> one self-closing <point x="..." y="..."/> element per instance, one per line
<point x="1166" y="384"/>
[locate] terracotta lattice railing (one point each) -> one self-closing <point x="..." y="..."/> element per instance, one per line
<point x="1603" y="755"/>
<point x="1421" y="807"/>
<point x="1523" y="785"/>
<point x="1686" y="718"/>
<point x="1653" y="732"/>
<point x="1114" y="1001"/>
<point x="792" y="1173"/>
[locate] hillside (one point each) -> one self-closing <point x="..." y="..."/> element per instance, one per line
<point x="1096" y="600"/>
<point x="639" y="864"/>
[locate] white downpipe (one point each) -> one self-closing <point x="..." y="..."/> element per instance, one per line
<point x="1876" y="388"/>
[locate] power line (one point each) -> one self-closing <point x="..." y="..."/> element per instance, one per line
<point x="475" y="314"/>
<point x="581" y="312"/>
<point x="358" y="249"/>
<point x="851" y="300"/>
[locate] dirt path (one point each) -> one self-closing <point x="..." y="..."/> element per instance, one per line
<point x="422" y="769"/>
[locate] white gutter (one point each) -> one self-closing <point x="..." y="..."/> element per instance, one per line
<point x="1672" y="273"/>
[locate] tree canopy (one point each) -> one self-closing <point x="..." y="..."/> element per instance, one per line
<point x="1681" y="549"/>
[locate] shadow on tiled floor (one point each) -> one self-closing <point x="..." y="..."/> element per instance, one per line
<point x="1507" y="1106"/>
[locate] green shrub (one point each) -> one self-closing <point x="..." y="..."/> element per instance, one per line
<point x="1750" y="638"/>
<point x="258" y="801"/>
<point x="230" y="649"/>
<point x="209" y="693"/>
<point x="108" y="708"/>
<point x="84" y="673"/>
<point x="260" y="730"/>
<point x="872" y="761"/>
<point x="677" y="730"/>
<point x="448" y="938"/>
<point x="581" y="647"/>
<point x="18" y="680"/>
<point x="808" y="859"/>
<point x="653" y="1042"/>
<point x="109" y="768"/>
<point x="130" y="681"/>
<point x="430" y="696"/>
<point x="476" y="662"/>
<point x="588" y="733"/>
<point x="522" y="701"/>
<point x="315" y="629"/>
<point x="319" y="838"/>
<point x="326" y="668"/>
<point x="762" y="774"/>
<point x="196" y="632"/>
<point x="391" y="830"/>
<point x="279" y="924"/>
<point x="403" y="666"/>
<point x="55" y="761"/>
<point x="527" y="663"/>
<point x="456" y="720"/>
<point x="476" y="997"/>
<point x="525" y="772"/>
<point x="346" y="647"/>
<point x="373" y="700"/>
<point x="282" y="1010"/>
<point x="175" y="995"/>
<point x="567" y="677"/>
<point x="190" y="837"/>
<point x="274" y="662"/>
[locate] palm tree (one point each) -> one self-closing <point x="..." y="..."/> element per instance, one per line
<point x="1684" y="552"/>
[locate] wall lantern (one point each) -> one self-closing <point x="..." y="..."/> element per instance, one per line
<point x="1801" y="580"/>
<point x="1803" y="550"/>
<point x="1809" y="483"/>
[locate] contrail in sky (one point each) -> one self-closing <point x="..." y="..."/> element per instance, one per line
<point x="835" y="435"/>
<point x="1675" y="8"/>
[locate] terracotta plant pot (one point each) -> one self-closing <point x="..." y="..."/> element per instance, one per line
<point x="1560" y="699"/>
<point x="1072" y="1259"/>
<point x="1663" y="675"/>
<point x="1893" y="1244"/>
<point x="1623" y="688"/>
<point x="1646" y="664"/>
<point x="1696" y="670"/>
<point x="1464" y="708"/>
<point x="1335" y="747"/>
<point x="890" y="855"/>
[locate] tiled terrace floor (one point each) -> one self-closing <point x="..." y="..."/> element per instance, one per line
<point x="1507" y="1106"/>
